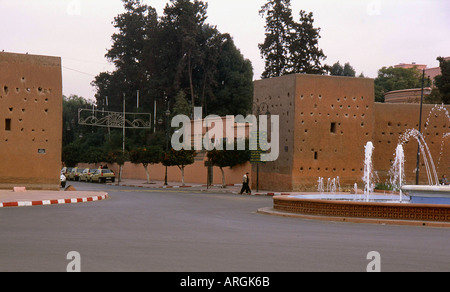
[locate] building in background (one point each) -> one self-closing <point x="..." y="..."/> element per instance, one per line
<point x="413" y="95"/>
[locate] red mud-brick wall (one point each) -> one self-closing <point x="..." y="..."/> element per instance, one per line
<point x="30" y="121"/>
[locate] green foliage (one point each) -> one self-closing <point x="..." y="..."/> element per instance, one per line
<point x="181" y="106"/>
<point x="71" y="154"/>
<point x="434" y="98"/>
<point x="146" y="155"/>
<point x="290" y="46"/>
<point x="229" y="158"/>
<point x="443" y="80"/>
<point x="384" y="187"/>
<point x="233" y="93"/>
<point x="391" y="79"/>
<point x="71" y="129"/>
<point x="180" y="158"/>
<point x="163" y="55"/>
<point x="338" y="70"/>
<point x="94" y="155"/>
<point x="117" y="156"/>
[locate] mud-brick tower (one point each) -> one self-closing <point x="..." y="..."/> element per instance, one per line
<point x="30" y="121"/>
<point x="325" y="122"/>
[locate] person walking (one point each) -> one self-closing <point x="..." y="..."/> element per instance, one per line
<point x="246" y="184"/>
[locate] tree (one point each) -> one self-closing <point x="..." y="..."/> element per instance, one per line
<point x="443" y="80"/>
<point x="391" y="79"/>
<point x="71" y="154"/>
<point x="181" y="159"/>
<point x="228" y="158"/>
<point x="146" y="156"/>
<point x="233" y="93"/>
<point x="119" y="157"/>
<point x="289" y="46"/>
<point x="306" y="56"/>
<point x="338" y="70"/>
<point x="275" y="49"/>
<point x="71" y="129"/>
<point x="133" y="54"/>
<point x="181" y="106"/>
<point x="185" y="20"/>
<point x="179" y="51"/>
<point x="95" y="155"/>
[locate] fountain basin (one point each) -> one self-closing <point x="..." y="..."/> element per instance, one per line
<point x="366" y="212"/>
<point x="428" y="194"/>
<point x="374" y="198"/>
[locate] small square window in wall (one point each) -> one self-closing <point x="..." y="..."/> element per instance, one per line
<point x="7" y="124"/>
<point x="333" y="128"/>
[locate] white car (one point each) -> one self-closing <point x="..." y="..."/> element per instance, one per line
<point x="63" y="180"/>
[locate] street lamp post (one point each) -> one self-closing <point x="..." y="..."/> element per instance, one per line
<point x="167" y="114"/>
<point x="420" y="124"/>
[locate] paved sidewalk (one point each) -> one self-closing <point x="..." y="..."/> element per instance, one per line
<point x="9" y="198"/>
<point x="231" y="188"/>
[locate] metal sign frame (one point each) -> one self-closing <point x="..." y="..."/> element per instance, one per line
<point x="120" y="120"/>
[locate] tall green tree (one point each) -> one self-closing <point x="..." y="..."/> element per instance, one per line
<point x="184" y="20"/>
<point x="71" y="129"/>
<point x="338" y="70"/>
<point x="290" y="46"/>
<point x="181" y="106"/>
<point x="275" y="49"/>
<point x="163" y="55"/>
<point x="443" y="80"/>
<point x="306" y="56"/>
<point x="134" y="56"/>
<point x="233" y="93"/>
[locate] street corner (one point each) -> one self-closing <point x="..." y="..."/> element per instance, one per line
<point x="10" y="199"/>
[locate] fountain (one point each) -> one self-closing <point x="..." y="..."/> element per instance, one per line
<point x="432" y="193"/>
<point x="398" y="171"/>
<point x="320" y="188"/>
<point x="413" y="205"/>
<point x="368" y="174"/>
<point x="371" y="207"/>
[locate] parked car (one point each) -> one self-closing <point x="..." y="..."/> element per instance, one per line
<point x="75" y="174"/>
<point x="63" y="180"/>
<point x="103" y="175"/>
<point x="87" y="173"/>
<point x="66" y="170"/>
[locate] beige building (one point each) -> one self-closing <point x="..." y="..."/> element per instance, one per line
<point x="30" y="121"/>
<point x="406" y="95"/>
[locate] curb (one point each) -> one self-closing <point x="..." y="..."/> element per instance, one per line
<point x="274" y="194"/>
<point x="53" y="202"/>
<point x="171" y="187"/>
<point x="272" y="212"/>
<point x="270" y="194"/>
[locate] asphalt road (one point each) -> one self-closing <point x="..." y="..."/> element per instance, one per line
<point x="187" y="231"/>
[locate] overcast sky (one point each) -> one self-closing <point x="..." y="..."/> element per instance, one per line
<point x="369" y="34"/>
